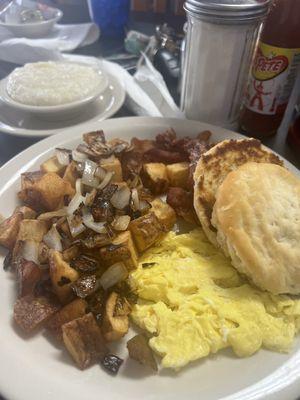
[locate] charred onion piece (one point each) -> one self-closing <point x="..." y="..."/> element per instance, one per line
<point x="112" y="363"/>
<point x="94" y="137"/>
<point x="85" y="286"/>
<point x="96" y="241"/>
<point x="102" y="209"/>
<point x="118" y="145"/>
<point x="96" y="304"/>
<point x="131" y="164"/>
<point x="84" y="264"/>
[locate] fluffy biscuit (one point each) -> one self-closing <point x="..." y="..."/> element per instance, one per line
<point x="212" y="169"/>
<point x="257" y="217"/>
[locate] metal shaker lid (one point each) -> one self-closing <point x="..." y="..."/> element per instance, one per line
<point x="234" y="11"/>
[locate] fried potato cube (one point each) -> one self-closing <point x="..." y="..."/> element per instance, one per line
<point x="71" y="174"/>
<point x="115" y="325"/>
<point x="155" y="177"/>
<point x="146" y="230"/>
<point x="70" y="253"/>
<point x="164" y="213"/>
<point x="84" y="341"/>
<point x="32" y="229"/>
<point x="178" y="174"/>
<point x="28" y="275"/>
<point x="139" y="350"/>
<point x="31" y="313"/>
<point x="9" y="229"/>
<point x="112" y="163"/>
<point x="26" y="212"/>
<point x="75" y="309"/>
<point x="47" y="193"/>
<point x="62" y="276"/>
<point x="182" y="203"/>
<point x="53" y="165"/>
<point x="121" y="249"/>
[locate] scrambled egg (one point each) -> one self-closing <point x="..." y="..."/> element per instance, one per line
<point x="195" y="303"/>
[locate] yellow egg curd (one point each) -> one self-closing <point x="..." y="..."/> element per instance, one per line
<point x="195" y="303"/>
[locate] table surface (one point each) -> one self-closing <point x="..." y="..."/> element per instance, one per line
<point x="11" y="146"/>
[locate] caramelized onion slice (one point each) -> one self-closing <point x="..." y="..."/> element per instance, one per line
<point x="113" y="275"/>
<point x="89" y="222"/>
<point x="78" y="156"/>
<point x="30" y="251"/>
<point x="76" y="227"/>
<point x="63" y="156"/>
<point x="76" y="200"/>
<point x="121" y="222"/>
<point x="88" y="176"/>
<point x="52" y="239"/>
<point x="106" y="180"/>
<point x="52" y="214"/>
<point x="121" y="198"/>
<point x="135" y="199"/>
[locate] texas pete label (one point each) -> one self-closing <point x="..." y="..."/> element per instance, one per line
<point x="265" y="68"/>
<point x="272" y="77"/>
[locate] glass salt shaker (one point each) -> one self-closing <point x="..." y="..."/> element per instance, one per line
<point x="220" y="41"/>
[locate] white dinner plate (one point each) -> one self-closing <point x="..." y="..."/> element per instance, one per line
<point x="34" y="369"/>
<point x="21" y="123"/>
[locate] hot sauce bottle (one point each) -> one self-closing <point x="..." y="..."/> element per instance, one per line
<point x="274" y="70"/>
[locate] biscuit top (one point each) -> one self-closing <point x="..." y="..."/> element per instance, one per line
<point x="257" y="215"/>
<point x="212" y="169"/>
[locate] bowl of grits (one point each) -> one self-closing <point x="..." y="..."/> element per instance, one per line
<point x="53" y="89"/>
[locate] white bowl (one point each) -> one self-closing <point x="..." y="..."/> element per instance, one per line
<point x="59" y="112"/>
<point x="36" y="29"/>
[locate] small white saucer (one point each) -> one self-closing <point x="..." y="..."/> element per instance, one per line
<point x="20" y="123"/>
<point x="39" y="28"/>
<point x="59" y="112"/>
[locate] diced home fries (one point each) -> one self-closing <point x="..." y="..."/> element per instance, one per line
<point x="87" y="216"/>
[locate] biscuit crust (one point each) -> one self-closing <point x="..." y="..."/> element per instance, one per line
<point x="215" y="165"/>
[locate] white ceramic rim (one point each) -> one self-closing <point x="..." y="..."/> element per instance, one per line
<point x="97" y="91"/>
<point x="58" y="15"/>
<point x="118" y="95"/>
<point x="282" y="383"/>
